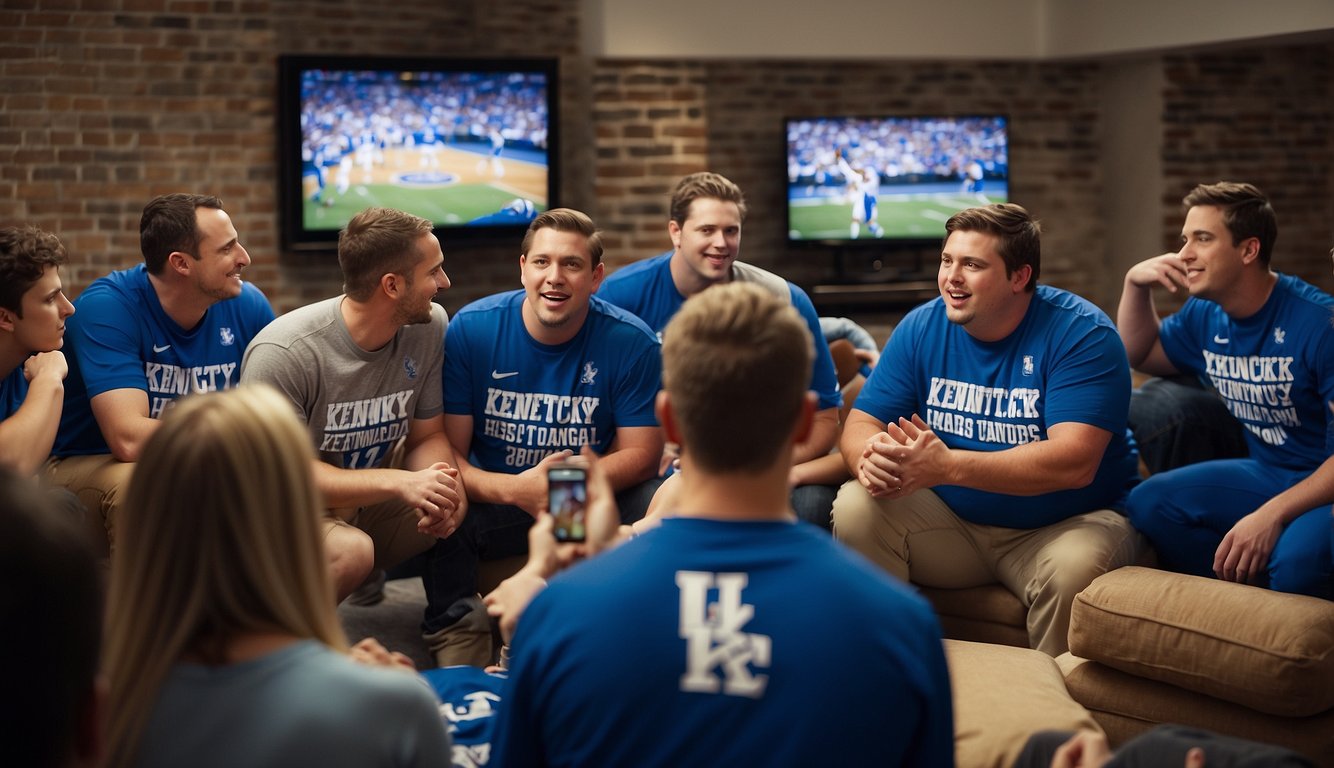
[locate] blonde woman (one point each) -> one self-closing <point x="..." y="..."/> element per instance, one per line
<point x="223" y="647"/>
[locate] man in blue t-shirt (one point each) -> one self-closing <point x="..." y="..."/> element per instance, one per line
<point x="33" y="310"/>
<point x="706" y="214"/>
<point x="176" y="324"/>
<point x="1264" y="341"/>
<point x="531" y="376"/>
<point x="719" y="637"/>
<point x="990" y="444"/>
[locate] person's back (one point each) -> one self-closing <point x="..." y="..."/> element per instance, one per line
<point x="302" y="705"/>
<point x="709" y="642"/>
<point x="731" y="634"/>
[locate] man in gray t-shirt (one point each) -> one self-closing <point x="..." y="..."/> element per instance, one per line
<point x="363" y="371"/>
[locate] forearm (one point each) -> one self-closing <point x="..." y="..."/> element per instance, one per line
<point x="628" y="467"/>
<point x="129" y="436"/>
<point x="492" y="487"/>
<point x="350" y="488"/>
<point x="1314" y="491"/>
<point x="824" y="433"/>
<point x="1137" y="321"/>
<point x="26" y="437"/>
<point x="828" y="469"/>
<point x="1032" y="469"/>
<point x="855" y="434"/>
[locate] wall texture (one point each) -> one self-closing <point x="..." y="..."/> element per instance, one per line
<point x="105" y="103"/>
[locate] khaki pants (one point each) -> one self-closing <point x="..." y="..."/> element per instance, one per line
<point x="919" y="539"/>
<point x="392" y="528"/>
<point x="100" y="482"/>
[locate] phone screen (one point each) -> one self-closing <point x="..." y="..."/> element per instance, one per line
<point x="567" y="495"/>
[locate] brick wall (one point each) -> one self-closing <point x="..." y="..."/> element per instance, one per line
<point x="1262" y="115"/>
<point x="105" y="103"/>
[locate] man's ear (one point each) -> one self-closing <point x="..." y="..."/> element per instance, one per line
<point x="1250" y="250"/>
<point x="1019" y="278"/>
<point x="391" y="284"/>
<point x="662" y="408"/>
<point x="180" y="262"/>
<point x="674" y="230"/>
<point x="8" y="320"/>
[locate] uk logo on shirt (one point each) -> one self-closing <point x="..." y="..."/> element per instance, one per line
<point x="226" y="336"/>
<point x="720" y="658"/>
<point x="590" y="373"/>
<point x="1028" y="365"/>
<point x="410" y="367"/>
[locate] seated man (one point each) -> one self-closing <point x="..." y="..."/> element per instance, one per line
<point x="363" y="371"/>
<point x="531" y="376"/>
<point x="705" y="228"/>
<point x="990" y="444"/>
<point x="1265" y="342"/>
<point x="32" y="330"/>
<point x="712" y="639"/>
<point x="145" y="336"/>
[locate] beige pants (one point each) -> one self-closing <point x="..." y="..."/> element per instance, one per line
<point x="100" y="481"/>
<point x="392" y="528"/>
<point x="919" y="539"/>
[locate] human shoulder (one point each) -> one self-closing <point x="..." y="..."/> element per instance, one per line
<point x="489" y="306"/>
<point x="775" y="284"/>
<point x="1072" y="307"/>
<point x="299" y="325"/>
<point x="641" y="270"/>
<point x="123" y="289"/>
<point x="619" y="322"/>
<point x="1306" y="294"/>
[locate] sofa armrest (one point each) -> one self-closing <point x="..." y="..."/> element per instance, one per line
<point x="1269" y="651"/>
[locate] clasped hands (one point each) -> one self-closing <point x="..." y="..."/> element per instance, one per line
<point x="905" y="457"/>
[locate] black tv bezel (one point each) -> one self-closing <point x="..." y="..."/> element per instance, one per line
<point x="297" y="237"/>
<point x="870" y="243"/>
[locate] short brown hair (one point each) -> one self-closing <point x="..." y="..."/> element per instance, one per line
<point x="1246" y="212"/>
<point x="736" y="361"/>
<point x="25" y="253"/>
<point x="567" y="220"/>
<point x="706" y="185"/>
<point x="1018" y="234"/>
<point x="378" y="242"/>
<point x="169" y="223"/>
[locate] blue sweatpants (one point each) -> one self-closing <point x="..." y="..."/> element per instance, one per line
<point x="1186" y="512"/>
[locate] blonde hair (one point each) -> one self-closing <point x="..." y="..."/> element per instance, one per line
<point x="219" y="536"/>
<point x="736" y="361"/>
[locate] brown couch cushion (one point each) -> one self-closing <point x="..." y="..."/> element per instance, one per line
<point x="1268" y="651"/>
<point x="986" y="614"/>
<point x="1001" y="696"/>
<point x="1126" y="706"/>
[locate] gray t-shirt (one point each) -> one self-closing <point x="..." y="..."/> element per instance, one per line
<point x="301" y="705"/>
<point x="356" y="404"/>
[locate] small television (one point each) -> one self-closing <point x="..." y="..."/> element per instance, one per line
<point x="470" y="144"/>
<point x="859" y="181"/>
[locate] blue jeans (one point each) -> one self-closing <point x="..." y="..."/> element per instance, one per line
<point x="1186" y="512"/>
<point x="490" y="532"/>
<point x="1177" y="421"/>
<point x="814" y="504"/>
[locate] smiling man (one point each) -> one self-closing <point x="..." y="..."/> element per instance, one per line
<point x="33" y="310"/>
<point x="531" y="376"/>
<point x="363" y="371"/>
<point x="1264" y="341"/>
<point x="990" y="443"/>
<point x="705" y="227"/>
<point x="142" y="337"/>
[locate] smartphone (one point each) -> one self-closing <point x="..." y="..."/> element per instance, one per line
<point x="567" y="497"/>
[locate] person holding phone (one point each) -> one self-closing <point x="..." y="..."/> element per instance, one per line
<point x="716" y="621"/>
<point x="530" y="377"/>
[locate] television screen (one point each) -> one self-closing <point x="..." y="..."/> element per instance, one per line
<point x="469" y="144"/>
<point x="861" y="180"/>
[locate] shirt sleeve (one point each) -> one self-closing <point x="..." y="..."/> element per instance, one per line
<point x="108" y="343"/>
<point x="1090" y="383"/>
<point x="824" y="379"/>
<point x="456" y="377"/>
<point x="890" y="392"/>
<point x="637" y="392"/>
<point x="281" y="368"/>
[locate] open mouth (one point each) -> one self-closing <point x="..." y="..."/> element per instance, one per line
<point x="555" y="298"/>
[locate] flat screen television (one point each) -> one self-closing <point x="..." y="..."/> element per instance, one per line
<point x="866" y="180"/>
<point x="471" y="144"/>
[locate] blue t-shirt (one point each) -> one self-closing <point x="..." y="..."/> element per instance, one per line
<point x="470" y="700"/>
<point x="1064" y="363"/>
<point x="646" y="290"/>
<point x="121" y="338"/>
<point x="1274" y="369"/>
<point x="707" y="642"/>
<point x="529" y="399"/>
<point x="13" y="391"/>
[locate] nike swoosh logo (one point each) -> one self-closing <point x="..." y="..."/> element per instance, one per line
<point x="498" y="375"/>
<point x="163" y="348"/>
<point x="1220" y="340"/>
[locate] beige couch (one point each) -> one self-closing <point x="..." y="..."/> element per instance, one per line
<point x="1148" y="646"/>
